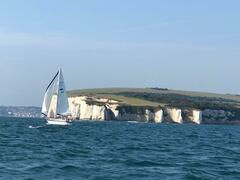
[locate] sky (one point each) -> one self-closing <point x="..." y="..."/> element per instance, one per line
<point x="176" y="44"/>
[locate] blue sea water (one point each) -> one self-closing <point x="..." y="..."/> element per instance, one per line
<point x="30" y="149"/>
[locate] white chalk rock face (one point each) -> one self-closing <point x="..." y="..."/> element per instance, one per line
<point x="86" y="111"/>
<point x="197" y="116"/>
<point x="98" y="112"/>
<point x="175" y="115"/>
<point x="79" y="109"/>
<point x="149" y="116"/>
<point x="91" y="112"/>
<point x="158" y="116"/>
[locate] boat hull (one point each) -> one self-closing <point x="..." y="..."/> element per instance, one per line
<point x="57" y="122"/>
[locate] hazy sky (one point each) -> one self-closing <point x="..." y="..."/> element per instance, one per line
<point x="178" y="44"/>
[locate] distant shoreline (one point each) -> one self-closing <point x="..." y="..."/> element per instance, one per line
<point x="159" y="105"/>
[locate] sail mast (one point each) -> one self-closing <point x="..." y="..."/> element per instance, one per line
<point x="57" y="96"/>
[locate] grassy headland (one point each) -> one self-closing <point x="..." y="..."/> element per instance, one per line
<point x="164" y="97"/>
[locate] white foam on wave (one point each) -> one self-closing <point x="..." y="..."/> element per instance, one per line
<point x="35" y="127"/>
<point x="133" y="122"/>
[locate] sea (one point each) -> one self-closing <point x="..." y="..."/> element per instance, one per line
<point x="30" y="149"/>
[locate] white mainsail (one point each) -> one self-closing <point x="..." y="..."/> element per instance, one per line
<point x="62" y="99"/>
<point x="55" y="99"/>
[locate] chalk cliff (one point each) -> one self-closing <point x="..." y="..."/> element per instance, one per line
<point x="158" y="118"/>
<point x="197" y="116"/>
<point x="158" y="105"/>
<point x="174" y="115"/>
<point x="100" y="109"/>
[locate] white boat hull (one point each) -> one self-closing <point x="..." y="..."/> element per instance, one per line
<point x="57" y="122"/>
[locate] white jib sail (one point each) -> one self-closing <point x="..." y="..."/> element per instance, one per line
<point x="62" y="98"/>
<point x="50" y="91"/>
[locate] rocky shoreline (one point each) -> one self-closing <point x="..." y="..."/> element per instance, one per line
<point x="100" y="109"/>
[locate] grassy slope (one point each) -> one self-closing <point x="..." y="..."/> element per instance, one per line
<point x="113" y="93"/>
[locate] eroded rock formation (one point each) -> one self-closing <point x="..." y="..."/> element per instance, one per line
<point x="100" y="109"/>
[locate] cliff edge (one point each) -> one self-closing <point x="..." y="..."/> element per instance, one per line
<point x="154" y="105"/>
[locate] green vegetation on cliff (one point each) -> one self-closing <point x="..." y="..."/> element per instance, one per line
<point x="154" y="97"/>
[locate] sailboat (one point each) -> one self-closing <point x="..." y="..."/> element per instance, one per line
<point x="55" y="106"/>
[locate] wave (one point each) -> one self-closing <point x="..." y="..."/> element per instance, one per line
<point x="133" y="122"/>
<point x="36" y="127"/>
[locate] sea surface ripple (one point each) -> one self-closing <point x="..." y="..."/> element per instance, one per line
<point x="30" y="149"/>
